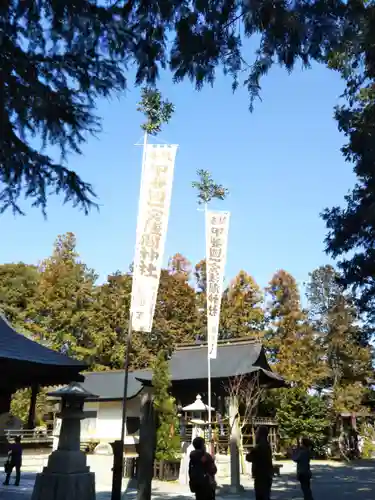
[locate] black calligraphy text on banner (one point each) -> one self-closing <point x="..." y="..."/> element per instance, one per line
<point x="217" y="226"/>
<point x="154" y="205"/>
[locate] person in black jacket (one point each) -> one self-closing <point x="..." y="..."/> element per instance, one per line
<point x="302" y="457"/>
<point x="15" y="461"/>
<point x="262" y="468"/>
<point x="202" y="470"/>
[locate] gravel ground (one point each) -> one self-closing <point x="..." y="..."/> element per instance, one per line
<point x="331" y="481"/>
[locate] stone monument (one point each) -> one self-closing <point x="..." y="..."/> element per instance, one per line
<point x="67" y="475"/>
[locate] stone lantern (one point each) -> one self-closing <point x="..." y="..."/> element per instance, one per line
<point x="195" y="415"/>
<point x="67" y="474"/>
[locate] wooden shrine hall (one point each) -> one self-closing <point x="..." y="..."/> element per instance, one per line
<point x="188" y="369"/>
<point x="238" y="358"/>
<point x="188" y="372"/>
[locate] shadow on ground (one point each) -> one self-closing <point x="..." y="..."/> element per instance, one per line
<point x="23" y="491"/>
<point x="342" y="482"/>
<point x="351" y="482"/>
<point x="354" y="481"/>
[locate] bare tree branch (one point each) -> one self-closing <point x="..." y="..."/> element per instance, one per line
<point x="248" y="392"/>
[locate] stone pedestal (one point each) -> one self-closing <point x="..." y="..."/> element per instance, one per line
<point x="57" y="486"/>
<point x="67" y="476"/>
<point x="183" y="477"/>
<point x="235" y="483"/>
<point x="187" y="448"/>
<point x="147" y="445"/>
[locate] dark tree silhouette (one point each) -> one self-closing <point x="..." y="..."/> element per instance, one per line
<point x="58" y="58"/>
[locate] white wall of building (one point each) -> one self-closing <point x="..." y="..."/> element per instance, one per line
<point x="107" y="426"/>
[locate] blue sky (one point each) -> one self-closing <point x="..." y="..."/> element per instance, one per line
<point x="281" y="163"/>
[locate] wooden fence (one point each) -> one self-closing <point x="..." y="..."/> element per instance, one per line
<point x="30" y="436"/>
<point x="221" y="434"/>
<point x="164" y="470"/>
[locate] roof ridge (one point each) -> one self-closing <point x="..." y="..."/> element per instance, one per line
<point x="221" y="343"/>
<point x="117" y="370"/>
<point x="186" y="347"/>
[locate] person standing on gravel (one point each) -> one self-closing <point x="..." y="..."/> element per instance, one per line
<point x="202" y="470"/>
<point x="302" y="457"/>
<point x="14" y="461"/>
<point x="262" y="468"/>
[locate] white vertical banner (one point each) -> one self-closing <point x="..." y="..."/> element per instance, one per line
<point x="153" y="214"/>
<point x="217" y="227"/>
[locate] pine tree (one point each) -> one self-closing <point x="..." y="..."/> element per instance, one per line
<point x="348" y="354"/>
<point x="52" y="76"/>
<point x="110" y="324"/>
<point x="351" y="227"/>
<point x="242" y="311"/>
<point x="300" y="414"/>
<point x="62" y="312"/>
<point x="18" y="289"/>
<point x="290" y="338"/>
<point x="167" y="436"/>
<point x="176" y="314"/>
<point x="175" y="320"/>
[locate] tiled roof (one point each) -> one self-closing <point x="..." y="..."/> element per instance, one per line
<point x="110" y="385"/>
<point x="188" y="363"/>
<point x="15" y="346"/>
<point x="24" y="362"/>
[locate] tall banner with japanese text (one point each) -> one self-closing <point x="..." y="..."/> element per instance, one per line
<point x="152" y="224"/>
<point x="217" y="227"/>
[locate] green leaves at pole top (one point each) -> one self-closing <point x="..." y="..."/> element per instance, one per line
<point x="208" y="189"/>
<point x="156" y="110"/>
